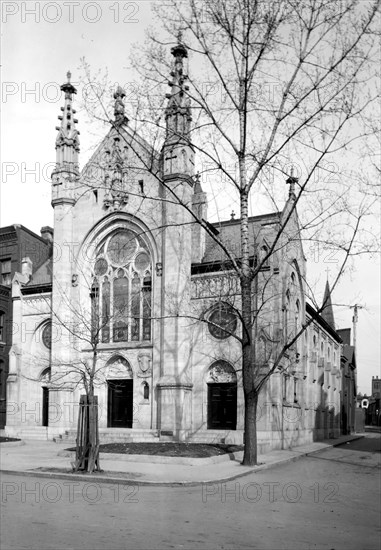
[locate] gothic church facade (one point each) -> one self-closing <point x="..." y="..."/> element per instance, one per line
<point x="138" y="291"/>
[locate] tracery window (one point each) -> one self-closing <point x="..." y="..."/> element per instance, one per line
<point x="222" y="321"/>
<point x="121" y="292"/>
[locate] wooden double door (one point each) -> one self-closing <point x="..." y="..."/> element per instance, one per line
<point x="120" y="404"/>
<point x="222" y="406"/>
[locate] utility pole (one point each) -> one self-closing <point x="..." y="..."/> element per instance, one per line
<point x="355" y="319"/>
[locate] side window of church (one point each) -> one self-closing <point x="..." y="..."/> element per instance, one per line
<point x="121" y="290"/>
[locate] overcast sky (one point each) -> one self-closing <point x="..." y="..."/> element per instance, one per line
<point x="41" y="41"/>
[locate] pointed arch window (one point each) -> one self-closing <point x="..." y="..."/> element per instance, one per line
<point x="287" y="315"/>
<point x="121" y="292"/>
<point x="297" y="315"/>
<point x="262" y="256"/>
<point x="94" y="296"/>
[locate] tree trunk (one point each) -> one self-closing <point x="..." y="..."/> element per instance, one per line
<point x="93" y="433"/>
<point x="250" y="453"/>
<point x="248" y="345"/>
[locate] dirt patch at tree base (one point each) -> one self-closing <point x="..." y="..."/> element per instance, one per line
<point x="191" y="450"/>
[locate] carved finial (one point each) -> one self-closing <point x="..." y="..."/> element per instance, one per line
<point x="232" y="215"/>
<point x="120" y="117"/>
<point x="197" y="185"/>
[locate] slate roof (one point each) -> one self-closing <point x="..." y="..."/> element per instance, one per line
<point x="229" y="233"/>
<point x="43" y="275"/>
<point x="349" y="354"/>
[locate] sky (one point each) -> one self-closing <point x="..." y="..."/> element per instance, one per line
<point x="41" y="41"/>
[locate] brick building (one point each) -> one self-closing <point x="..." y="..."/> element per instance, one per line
<point x="16" y="243"/>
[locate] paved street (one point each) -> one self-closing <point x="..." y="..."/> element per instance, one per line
<point x="328" y="500"/>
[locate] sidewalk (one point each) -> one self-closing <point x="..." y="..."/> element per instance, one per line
<point x="41" y="459"/>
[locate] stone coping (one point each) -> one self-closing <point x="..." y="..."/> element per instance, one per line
<point x="156" y="459"/>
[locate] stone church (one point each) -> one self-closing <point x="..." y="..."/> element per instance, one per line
<point x="141" y="295"/>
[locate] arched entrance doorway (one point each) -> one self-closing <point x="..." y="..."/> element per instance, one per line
<point x="120" y="388"/>
<point x="222" y="397"/>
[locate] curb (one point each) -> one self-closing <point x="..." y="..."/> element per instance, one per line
<point x="126" y="481"/>
<point x="12" y="443"/>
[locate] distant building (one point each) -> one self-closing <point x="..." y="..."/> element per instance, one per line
<point x="349" y="390"/>
<point x="20" y="249"/>
<point x="373" y="413"/>
<point x="324" y="373"/>
<point x="376" y="387"/>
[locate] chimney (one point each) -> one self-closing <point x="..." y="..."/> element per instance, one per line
<point x="47" y="233"/>
<point x="27" y="267"/>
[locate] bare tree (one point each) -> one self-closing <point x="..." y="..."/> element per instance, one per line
<point x="278" y="89"/>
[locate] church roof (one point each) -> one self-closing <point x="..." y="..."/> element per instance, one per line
<point x="43" y="275"/>
<point x="229" y="233"/>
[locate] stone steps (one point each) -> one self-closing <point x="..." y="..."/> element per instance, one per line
<point x="217" y="436"/>
<point x="112" y="435"/>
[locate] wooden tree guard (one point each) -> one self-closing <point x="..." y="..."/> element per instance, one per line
<point x="87" y="442"/>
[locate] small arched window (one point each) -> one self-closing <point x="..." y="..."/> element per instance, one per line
<point x="145" y="390"/>
<point x="2" y="324"/>
<point x="287" y="314"/>
<point x="297" y="313"/>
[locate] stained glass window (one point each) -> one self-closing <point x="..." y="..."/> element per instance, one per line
<point x="122" y="271"/>
<point x="47" y="335"/>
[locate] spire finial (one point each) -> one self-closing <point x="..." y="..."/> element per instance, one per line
<point x="292" y="180"/>
<point x="67" y="141"/>
<point x="178" y="113"/>
<point x="68" y="87"/>
<point x="232" y="215"/>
